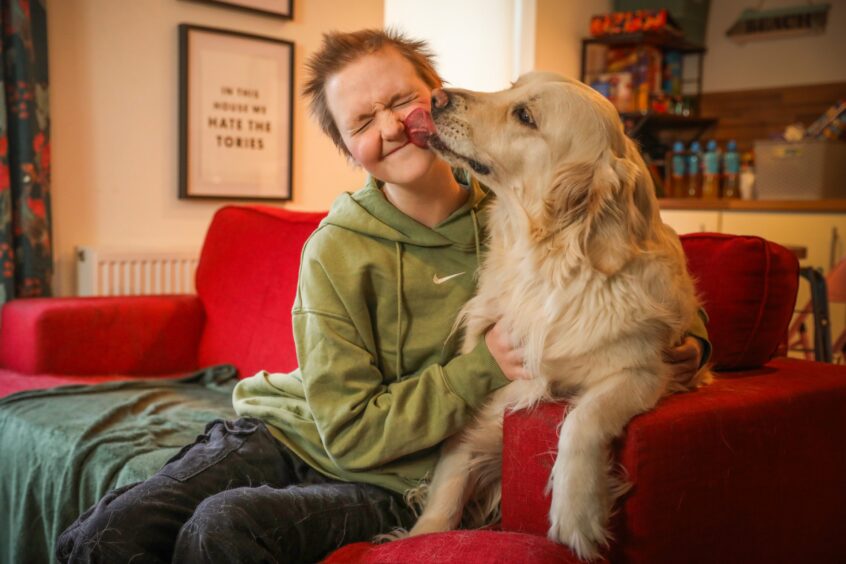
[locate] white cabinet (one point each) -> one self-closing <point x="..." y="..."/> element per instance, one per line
<point x="821" y="234"/>
<point x="692" y="221"/>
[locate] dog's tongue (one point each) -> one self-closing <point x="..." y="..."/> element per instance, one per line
<point x="419" y="127"/>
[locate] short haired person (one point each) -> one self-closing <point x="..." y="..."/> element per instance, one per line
<point x="322" y="456"/>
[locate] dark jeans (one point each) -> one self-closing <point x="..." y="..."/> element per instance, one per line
<point x="235" y="495"/>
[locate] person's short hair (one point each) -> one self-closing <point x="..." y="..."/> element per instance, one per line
<point x="340" y="49"/>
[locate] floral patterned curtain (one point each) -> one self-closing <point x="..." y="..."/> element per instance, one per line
<point x="26" y="250"/>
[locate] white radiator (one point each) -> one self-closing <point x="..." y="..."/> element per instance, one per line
<point x="114" y="272"/>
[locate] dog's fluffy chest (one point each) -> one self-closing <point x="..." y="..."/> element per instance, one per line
<point x="580" y="307"/>
<point x="565" y="313"/>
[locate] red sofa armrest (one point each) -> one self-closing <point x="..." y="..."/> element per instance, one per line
<point x="144" y="335"/>
<point x="750" y="468"/>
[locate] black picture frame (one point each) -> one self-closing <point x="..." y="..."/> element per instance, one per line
<point x="236" y="115"/>
<point x="285" y="10"/>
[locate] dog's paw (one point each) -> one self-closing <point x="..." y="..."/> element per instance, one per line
<point x="585" y="536"/>
<point x="426" y="525"/>
<point x="578" y="513"/>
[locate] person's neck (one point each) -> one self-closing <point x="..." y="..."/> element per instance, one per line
<point x="430" y="200"/>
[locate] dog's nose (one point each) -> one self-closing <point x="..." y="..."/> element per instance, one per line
<point x="440" y="100"/>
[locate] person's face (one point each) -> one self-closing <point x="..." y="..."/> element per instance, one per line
<point x="369" y="99"/>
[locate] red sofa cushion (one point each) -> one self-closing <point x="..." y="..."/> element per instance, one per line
<point x="748" y="286"/>
<point x="748" y="469"/>
<point x="247" y="279"/>
<point x="141" y="335"/>
<point x="457" y="547"/>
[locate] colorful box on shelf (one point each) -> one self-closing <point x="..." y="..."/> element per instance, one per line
<point x="633" y="21"/>
<point x="632" y="75"/>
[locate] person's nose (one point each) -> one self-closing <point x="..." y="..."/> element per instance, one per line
<point x="391" y="126"/>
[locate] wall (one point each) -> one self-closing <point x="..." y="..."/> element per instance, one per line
<point x="478" y="46"/>
<point x="811" y="59"/>
<point x="561" y="24"/>
<point x="114" y="93"/>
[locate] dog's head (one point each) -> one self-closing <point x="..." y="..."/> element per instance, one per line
<point x="555" y="150"/>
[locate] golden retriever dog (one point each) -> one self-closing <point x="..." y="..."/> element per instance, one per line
<point x="586" y="278"/>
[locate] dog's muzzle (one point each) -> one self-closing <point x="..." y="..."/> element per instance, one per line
<point x="441" y="102"/>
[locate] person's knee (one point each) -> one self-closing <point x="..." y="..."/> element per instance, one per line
<point x="217" y="531"/>
<point x="99" y="534"/>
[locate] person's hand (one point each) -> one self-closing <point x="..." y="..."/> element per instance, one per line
<point x="508" y="357"/>
<point x="683" y="360"/>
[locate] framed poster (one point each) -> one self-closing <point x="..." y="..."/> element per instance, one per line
<point x="235" y="115"/>
<point x="277" y="8"/>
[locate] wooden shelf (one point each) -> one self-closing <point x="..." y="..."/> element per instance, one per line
<point x="637" y="123"/>
<point x="820" y="206"/>
<point x="662" y="40"/>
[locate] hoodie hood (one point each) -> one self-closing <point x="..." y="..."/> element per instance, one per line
<point x="368" y="212"/>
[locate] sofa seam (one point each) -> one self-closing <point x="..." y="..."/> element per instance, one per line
<point x="762" y="305"/>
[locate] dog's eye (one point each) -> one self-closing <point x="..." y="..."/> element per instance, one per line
<point x="523" y="114"/>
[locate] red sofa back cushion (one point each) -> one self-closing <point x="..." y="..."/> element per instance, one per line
<point x="748" y="287"/>
<point x="247" y="279"/>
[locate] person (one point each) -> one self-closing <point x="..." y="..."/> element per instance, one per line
<point x="322" y="456"/>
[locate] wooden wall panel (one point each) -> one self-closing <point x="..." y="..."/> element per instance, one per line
<point x="749" y="115"/>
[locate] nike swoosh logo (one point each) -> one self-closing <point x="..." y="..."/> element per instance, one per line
<point x="437" y="280"/>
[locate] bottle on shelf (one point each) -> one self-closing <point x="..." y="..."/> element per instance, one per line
<point x="731" y="171"/>
<point x="694" y="171"/>
<point x="676" y="187"/>
<point x="711" y="171"/>
<point x="747" y="176"/>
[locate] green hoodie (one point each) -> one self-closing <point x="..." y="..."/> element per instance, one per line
<point x="380" y="384"/>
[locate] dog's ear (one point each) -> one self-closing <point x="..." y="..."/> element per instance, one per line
<point x="627" y="209"/>
<point x="565" y="201"/>
<point x="638" y="188"/>
<point x="607" y="207"/>
<point x="609" y="242"/>
<point x="582" y="206"/>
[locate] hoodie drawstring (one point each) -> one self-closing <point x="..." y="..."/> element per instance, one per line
<point x="399" y="310"/>
<point x="476" y="237"/>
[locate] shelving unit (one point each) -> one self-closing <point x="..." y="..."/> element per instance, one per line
<point x="655" y="132"/>
<point x="663" y="41"/>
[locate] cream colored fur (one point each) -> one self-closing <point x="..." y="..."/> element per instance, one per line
<point x="584" y="275"/>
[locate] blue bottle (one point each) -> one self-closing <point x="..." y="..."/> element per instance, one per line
<point x="678" y="171"/>
<point x="731" y="171"/>
<point x="711" y="171"/>
<point x="694" y="171"/>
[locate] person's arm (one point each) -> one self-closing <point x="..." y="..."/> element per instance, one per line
<point x="700" y="333"/>
<point x="687" y="358"/>
<point x="362" y="421"/>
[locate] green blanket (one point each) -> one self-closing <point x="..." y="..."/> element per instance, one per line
<point x="61" y="449"/>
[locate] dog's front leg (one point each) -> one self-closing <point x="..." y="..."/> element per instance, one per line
<point x="449" y="490"/>
<point x="583" y="486"/>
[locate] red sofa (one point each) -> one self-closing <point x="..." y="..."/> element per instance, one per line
<point x="751" y="468"/>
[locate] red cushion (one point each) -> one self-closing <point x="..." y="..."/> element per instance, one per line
<point x="85" y="336"/>
<point x="748" y="469"/>
<point x="247" y="279"/>
<point x="748" y="287"/>
<point x="458" y="547"/>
